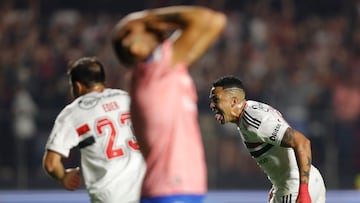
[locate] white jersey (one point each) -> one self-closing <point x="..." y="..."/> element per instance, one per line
<point x="262" y="128"/>
<point x="111" y="162"/>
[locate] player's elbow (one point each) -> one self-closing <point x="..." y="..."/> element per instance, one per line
<point x="219" y="20"/>
<point x="304" y="140"/>
<point x="211" y="20"/>
<point x="303" y="143"/>
<point x="50" y="162"/>
<point x="48" y="166"/>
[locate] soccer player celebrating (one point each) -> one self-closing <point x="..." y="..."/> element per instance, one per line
<point x="97" y="122"/>
<point x="282" y="152"/>
<point x="160" y="44"/>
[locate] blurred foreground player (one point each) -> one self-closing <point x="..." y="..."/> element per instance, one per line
<point x="98" y="122"/>
<point x="160" y="44"/>
<point x="282" y="152"/>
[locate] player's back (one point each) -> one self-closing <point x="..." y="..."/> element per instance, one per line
<point x="110" y="156"/>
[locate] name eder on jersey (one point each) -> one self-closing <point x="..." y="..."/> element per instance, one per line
<point x="88" y="102"/>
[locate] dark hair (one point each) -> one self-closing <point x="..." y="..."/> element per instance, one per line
<point x="124" y="54"/>
<point x="228" y="82"/>
<point x="86" y="70"/>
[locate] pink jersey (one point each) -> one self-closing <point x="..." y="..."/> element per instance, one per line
<point x="164" y="113"/>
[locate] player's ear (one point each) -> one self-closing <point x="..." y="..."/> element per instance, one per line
<point x="80" y="87"/>
<point x="234" y="101"/>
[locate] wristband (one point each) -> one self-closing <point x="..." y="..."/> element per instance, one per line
<point x="303" y="188"/>
<point x="304" y="196"/>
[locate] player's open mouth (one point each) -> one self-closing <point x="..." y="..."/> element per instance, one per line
<point x="219" y="117"/>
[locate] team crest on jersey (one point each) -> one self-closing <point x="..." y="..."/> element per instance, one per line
<point x="88" y="102"/>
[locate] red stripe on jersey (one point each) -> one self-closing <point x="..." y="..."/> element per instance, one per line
<point x="251" y="145"/>
<point x="83" y="129"/>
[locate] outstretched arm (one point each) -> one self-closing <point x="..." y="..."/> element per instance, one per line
<point x="302" y="148"/>
<point x="69" y="178"/>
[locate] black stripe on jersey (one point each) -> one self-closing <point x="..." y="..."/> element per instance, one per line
<point x="86" y="142"/>
<point x="286" y="198"/>
<point x="247" y="121"/>
<point x="251" y="120"/>
<point x="261" y="151"/>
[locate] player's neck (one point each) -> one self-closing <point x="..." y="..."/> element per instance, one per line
<point x="242" y="109"/>
<point x="97" y="88"/>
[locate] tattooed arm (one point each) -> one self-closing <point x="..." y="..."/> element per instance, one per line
<point x="302" y="148"/>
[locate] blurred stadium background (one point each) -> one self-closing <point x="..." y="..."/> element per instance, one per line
<point x="302" y="57"/>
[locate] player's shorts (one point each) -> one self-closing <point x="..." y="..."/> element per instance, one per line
<point x="174" y="198"/>
<point x="317" y="190"/>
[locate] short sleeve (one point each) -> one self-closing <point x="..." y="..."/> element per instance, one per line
<point x="62" y="138"/>
<point x="272" y="129"/>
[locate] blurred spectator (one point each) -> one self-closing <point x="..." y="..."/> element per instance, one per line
<point x="24" y="121"/>
<point x="346" y="104"/>
<point x="294" y="48"/>
<point x="25" y="111"/>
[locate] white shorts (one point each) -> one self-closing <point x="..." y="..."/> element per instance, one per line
<point x="317" y="190"/>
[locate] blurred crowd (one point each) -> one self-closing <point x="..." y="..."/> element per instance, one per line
<point x="302" y="58"/>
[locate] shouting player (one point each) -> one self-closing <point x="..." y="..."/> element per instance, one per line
<point x="98" y="123"/>
<point x="282" y="152"/>
<point x="160" y="44"/>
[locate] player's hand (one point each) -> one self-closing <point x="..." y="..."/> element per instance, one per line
<point x="304" y="196"/>
<point x="72" y="179"/>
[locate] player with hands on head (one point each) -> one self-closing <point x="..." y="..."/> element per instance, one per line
<point x="160" y="45"/>
<point x="283" y="153"/>
<point x="97" y="122"/>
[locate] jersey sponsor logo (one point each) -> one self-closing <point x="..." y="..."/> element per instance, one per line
<point x="88" y="102"/>
<point x="275" y="132"/>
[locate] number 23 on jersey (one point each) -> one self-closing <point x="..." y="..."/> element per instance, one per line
<point x="107" y="127"/>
